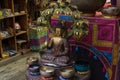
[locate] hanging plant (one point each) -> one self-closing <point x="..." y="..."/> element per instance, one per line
<point x="79" y="27"/>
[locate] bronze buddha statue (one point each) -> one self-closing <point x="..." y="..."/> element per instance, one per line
<point x="57" y="49"/>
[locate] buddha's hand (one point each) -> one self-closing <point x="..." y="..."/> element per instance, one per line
<point x="48" y="57"/>
<point x="58" y="54"/>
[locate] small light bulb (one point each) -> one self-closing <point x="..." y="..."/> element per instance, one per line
<point x="46" y="42"/>
<point x="57" y="12"/>
<point x="48" y="12"/>
<point x="67" y="13"/>
<point x="77" y="23"/>
<point x="76" y="33"/>
<point x="75" y="15"/>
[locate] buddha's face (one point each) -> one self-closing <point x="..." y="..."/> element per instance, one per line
<point x="63" y="21"/>
<point x="58" y="31"/>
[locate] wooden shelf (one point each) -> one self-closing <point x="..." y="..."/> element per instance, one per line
<point x="7" y="17"/>
<point x="20" y="14"/>
<point x="21" y="32"/>
<point x="1" y="18"/>
<point x="24" y="51"/>
<point x="7" y="37"/>
<point x="8" y="24"/>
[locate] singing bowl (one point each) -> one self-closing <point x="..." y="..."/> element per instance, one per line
<point x="47" y="71"/>
<point x="88" y="6"/>
<point x="32" y="60"/>
<point x="84" y="75"/>
<point x="82" y="66"/>
<point x="111" y="11"/>
<point x="67" y="72"/>
<point x="34" y="68"/>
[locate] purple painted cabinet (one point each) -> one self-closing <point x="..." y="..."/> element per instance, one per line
<point x="99" y="48"/>
<point x="102" y="45"/>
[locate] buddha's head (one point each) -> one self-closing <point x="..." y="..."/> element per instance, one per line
<point x="58" y="31"/>
<point x="60" y="28"/>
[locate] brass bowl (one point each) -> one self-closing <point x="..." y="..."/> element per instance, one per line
<point x="32" y="60"/>
<point x="85" y="75"/>
<point x="47" y="71"/>
<point x="67" y="72"/>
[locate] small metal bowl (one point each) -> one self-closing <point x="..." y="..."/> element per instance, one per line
<point x="34" y="68"/>
<point x="111" y="11"/>
<point x="32" y="60"/>
<point x="47" y="71"/>
<point x="67" y="72"/>
<point x="82" y="66"/>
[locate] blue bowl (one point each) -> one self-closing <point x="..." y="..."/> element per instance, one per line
<point x="81" y="66"/>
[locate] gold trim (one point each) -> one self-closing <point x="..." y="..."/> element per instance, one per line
<point x="97" y="42"/>
<point x="83" y="73"/>
<point x="109" y="72"/>
<point x="115" y="54"/>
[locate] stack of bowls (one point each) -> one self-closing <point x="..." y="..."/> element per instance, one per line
<point x="83" y="70"/>
<point x="33" y="66"/>
<point x="34" y="70"/>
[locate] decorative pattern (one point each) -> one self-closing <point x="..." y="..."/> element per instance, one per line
<point x="37" y="44"/>
<point x="100" y="38"/>
<point x="37" y="37"/>
<point x="108" y="56"/>
<point x="96" y="51"/>
<point x="105" y="33"/>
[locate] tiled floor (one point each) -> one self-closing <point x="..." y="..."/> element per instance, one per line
<point x="15" y="69"/>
